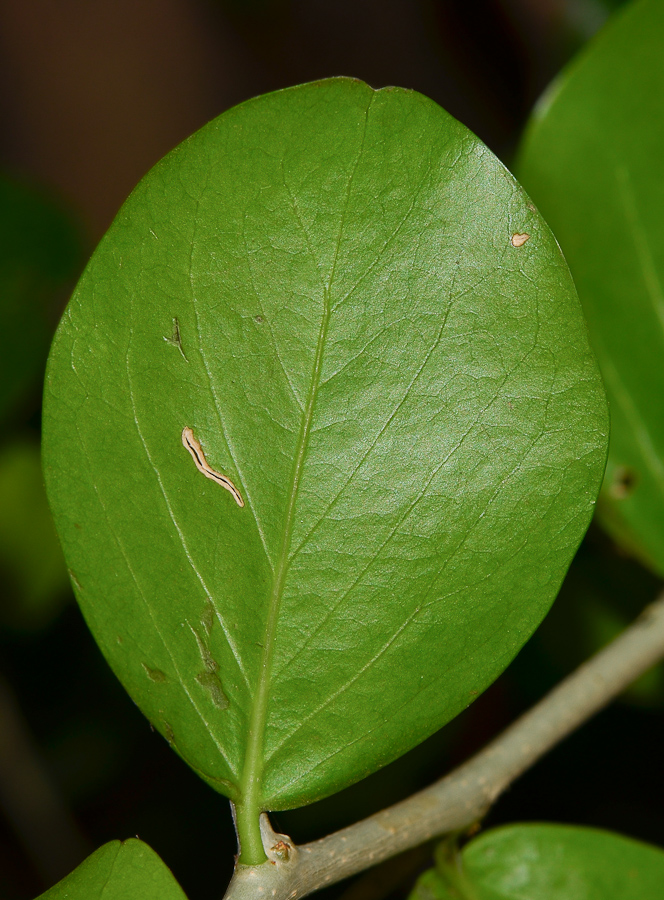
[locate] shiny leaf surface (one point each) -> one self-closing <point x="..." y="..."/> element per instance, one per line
<point x="347" y="308"/>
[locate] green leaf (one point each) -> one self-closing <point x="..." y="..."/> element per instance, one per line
<point x="30" y="556"/>
<point x="40" y="252"/>
<point x="127" y="870"/>
<point x="321" y="284"/>
<point x="551" y="862"/>
<point x="432" y="886"/>
<point x="593" y="161"/>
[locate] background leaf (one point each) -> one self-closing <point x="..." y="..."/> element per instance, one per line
<point x="30" y="556"/>
<point x="593" y="161"/>
<point x="551" y="862"/>
<point x="370" y="331"/>
<point x="431" y="886"/>
<point x="40" y="252"/>
<point x="125" y="870"/>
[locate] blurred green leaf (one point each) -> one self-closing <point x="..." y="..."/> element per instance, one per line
<point x="128" y="870"/>
<point x="374" y="336"/>
<point x="30" y="556"/>
<point x="431" y="885"/>
<point x="549" y="862"/>
<point x="40" y="251"/>
<point x="593" y="161"/>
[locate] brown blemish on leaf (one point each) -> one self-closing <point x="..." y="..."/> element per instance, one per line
<point x="207" y="619"/>
<point x="204" y="650"/>
<point x="176" y="338"/>
<point x="518" y="240"/>
<point x="155" y="675"/>
<point x="170" y="736"/>
<point x="259" y="320"/>
<point x="209" y="679"/>
<point x="624" y="482"/>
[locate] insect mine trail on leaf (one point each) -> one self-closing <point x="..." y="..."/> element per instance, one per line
<point x="194" y="447"/>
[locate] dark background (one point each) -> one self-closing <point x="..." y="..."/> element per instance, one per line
<point x="92" y="94"/>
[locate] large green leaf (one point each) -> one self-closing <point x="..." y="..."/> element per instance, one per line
<point x="593" y="161"/>
<point x="325" y="286"/>
<point x="547" y="862"/>
<point x="127" y="870"/>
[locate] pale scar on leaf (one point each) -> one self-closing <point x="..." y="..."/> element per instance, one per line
<point x="518" y="240"/>
<point x="194" y="447"/>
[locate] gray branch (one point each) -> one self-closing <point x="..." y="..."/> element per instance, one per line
<point x="466" y="794"/>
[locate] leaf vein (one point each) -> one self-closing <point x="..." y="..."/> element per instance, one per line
<point x="213" y="390"/>
<point x="398" y="524"/>
<point x="254" y="758"/>
<point x="150" y="611"/>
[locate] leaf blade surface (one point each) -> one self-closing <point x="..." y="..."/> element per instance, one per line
<point x="120" y="870"/>
<point x="322" y="286"/>
<point x="552" y="862"/>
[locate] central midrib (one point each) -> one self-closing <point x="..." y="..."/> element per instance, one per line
<point x="251" y="782"/>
